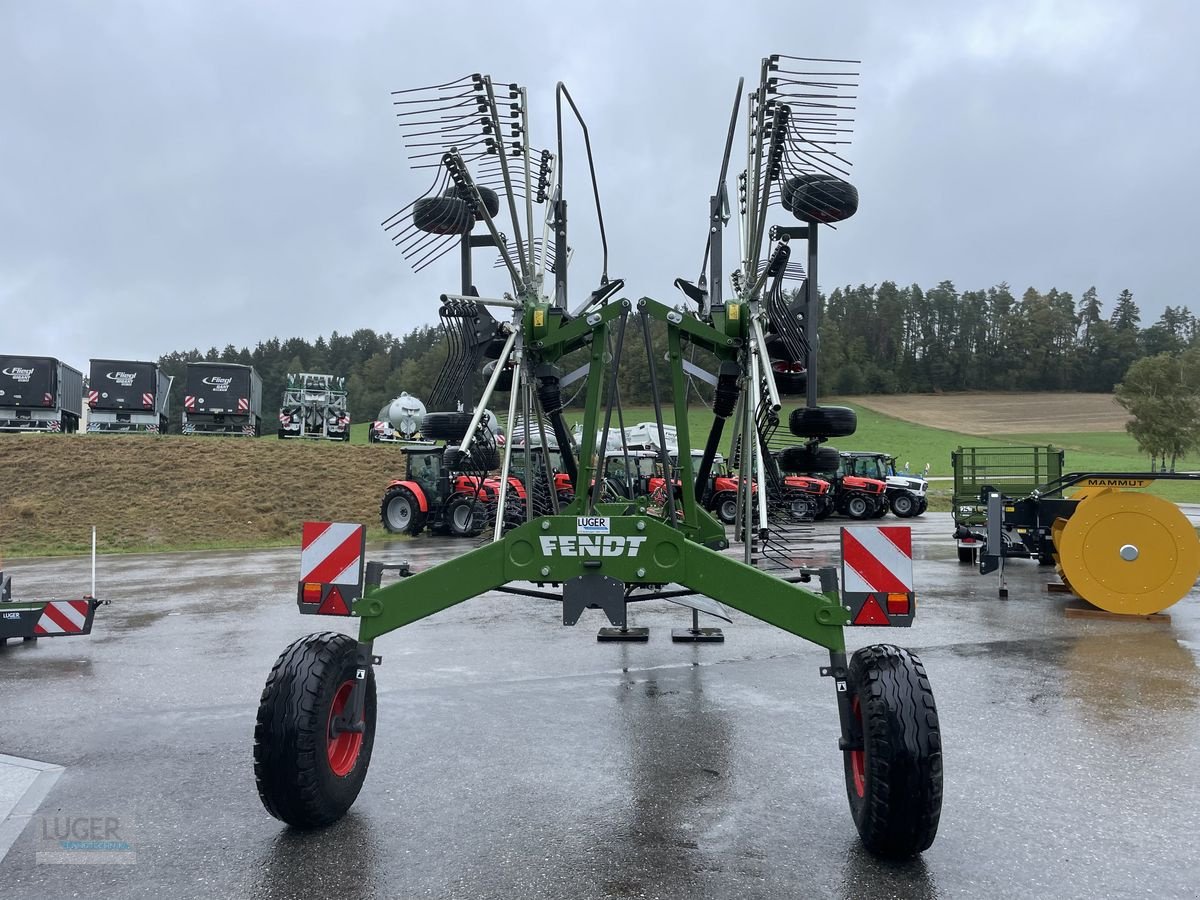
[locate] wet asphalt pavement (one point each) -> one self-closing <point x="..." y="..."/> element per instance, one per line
<point x="518" y="758"/>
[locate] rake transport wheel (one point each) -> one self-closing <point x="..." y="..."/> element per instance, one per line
<point x="1128" y="552"/>
<point x="823" y="421"/>
<point x="400" y="512"/>
<point x="445" y="426"/>
<point x="308" y="768"/>
<point x="894" y="781"/>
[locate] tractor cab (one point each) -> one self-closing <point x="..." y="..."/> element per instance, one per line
<point x="905" y="494"/>
<point x="632" y="479"/>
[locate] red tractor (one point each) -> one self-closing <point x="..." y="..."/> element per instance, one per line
<point x="443" y="499"/>
<point x="851" y="495"/>
<point x="719" y="496"/>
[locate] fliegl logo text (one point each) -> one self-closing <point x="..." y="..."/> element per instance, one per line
<point x="588" y="545"/>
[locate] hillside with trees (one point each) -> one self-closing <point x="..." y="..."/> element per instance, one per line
<point x="874" y="339"/>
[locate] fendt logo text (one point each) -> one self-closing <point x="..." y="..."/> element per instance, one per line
<point x="586" y="545"/>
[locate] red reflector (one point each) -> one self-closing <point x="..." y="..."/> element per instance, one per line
<point x="334" y="605"/>
<point x="897" y="604"/>
<point x="871" y="613"/>
<point x="312" y="592"/>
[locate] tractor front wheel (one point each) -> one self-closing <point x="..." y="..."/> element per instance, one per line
<point x="465" y="515"/>
<point x="857" y="506"/>
<point x="310" y="758"/>
<point x="894" y="766"/>
<point x="401" y="513"/>
<point x="725" y="506"/>
<point x="904" y="504"/>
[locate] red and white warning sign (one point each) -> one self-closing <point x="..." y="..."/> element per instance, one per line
<point x="331" y="567"/>
<point x="332" y="552"/>
<point x="63" y="617"/>
<point x="877" y="574"/>
<point x="877" y="559"/>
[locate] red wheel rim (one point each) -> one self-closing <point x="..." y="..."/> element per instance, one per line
<point x="342" y="748"/>
<point x="858" y="758"/>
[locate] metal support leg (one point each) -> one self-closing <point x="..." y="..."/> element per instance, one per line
<point x="696" y="634"/>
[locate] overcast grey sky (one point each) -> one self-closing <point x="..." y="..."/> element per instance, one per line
<point x="179" y="173"/>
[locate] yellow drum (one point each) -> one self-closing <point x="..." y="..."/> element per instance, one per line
<point x="1128" y="553"/>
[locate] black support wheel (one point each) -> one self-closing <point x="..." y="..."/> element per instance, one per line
<point x="310" y="756"/>
<point x="443" y="215"/>
<point x="401" y="513"/>
<point x="445" y="426"/>
<point x="823" y="421"/>
<point x="809" y="460"/>
<point x="894" y="774"/>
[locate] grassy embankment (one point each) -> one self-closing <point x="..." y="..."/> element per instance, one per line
<point x="178" y="492"/>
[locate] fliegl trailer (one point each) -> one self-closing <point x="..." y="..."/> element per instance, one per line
<point x="316" y="722"/>
<point x="39" y="393"/>
<point x="222" y="398"/>
<point x="128" y="396"/>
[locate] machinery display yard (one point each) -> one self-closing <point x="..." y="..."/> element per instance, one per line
<point x="518" y="758"/>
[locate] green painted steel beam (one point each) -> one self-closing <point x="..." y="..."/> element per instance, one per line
<point x="634" y="549"/>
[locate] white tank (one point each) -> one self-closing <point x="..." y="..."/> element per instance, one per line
<point x="405" y="413"/>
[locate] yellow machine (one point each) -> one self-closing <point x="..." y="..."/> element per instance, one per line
<point x="1118" y="548"/>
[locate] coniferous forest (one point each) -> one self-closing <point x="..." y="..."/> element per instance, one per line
<point x="874" y="339"/>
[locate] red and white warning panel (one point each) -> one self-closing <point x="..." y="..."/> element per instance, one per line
<point x="332" y="561"/>
<point x="877" y="575"/>
<point x="46" y="618"/>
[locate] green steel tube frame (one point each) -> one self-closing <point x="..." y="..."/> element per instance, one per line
<point x="534" y="552"/>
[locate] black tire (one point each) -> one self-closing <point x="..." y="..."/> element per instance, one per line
<point x="305" y="777"/>
<point x="401" y="513"/>
<point x="858" y="506"/>
<point x="819" y="198"/>
<point x="788" y="383"/>
<point x="725" y="506"/>
<point x="802" y="508"/>
<point x="824" y="511"/>
<point x="809" y="460"/>
<point x="966" y="555"/>
<point x="465" y="515"/>
<point x="904" y="504"/>
<point x="445" y="426"/>
<point x="491" y="200"/>
<point x="281" y="434"/>
<point x="881" y="508"/>
<point x="505" y="381"/>
<point x="922" y="505"/>
<point x="485" y="458"/>
<point x="894" y="783"/>
<point x="443" y="215"/>
<point x="823" y="421"/>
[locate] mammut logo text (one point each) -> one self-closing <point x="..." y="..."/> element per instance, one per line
<point x="585" y="545"/>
